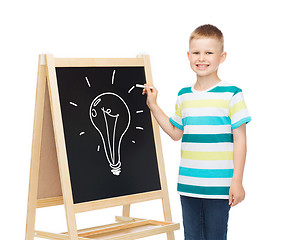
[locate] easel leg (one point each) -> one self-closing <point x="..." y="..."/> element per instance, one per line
<point x="168" y="215"/>
<point x="60" y="149"/>
<point x="126" y="210"/>
<point x="35" y="156"/>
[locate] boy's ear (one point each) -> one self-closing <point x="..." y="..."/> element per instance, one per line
<point x="223" y="57"/>
<point x="188" y="55"/>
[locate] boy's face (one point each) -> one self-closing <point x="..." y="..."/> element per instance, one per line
<point x="205" y="56"/>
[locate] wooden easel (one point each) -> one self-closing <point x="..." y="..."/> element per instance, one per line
<point x="49" y="174"/>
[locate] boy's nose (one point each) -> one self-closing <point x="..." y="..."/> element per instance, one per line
<point x="201" y="57"/>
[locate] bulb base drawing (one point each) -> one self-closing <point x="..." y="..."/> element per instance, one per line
<point x="116" y="171"/>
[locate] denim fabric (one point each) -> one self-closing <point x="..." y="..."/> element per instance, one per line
<point x="205" y="219"/>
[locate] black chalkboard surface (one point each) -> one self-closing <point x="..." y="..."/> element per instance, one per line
<point x="108" y="132"/>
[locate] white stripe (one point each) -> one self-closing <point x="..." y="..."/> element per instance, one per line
<point x="207" y="129"/>
<point x="237" y="98"/>
<point x="177" y="119"/>
<point x="212" y="182"/>
<point x="204" y="196"/>
<point x="207" y="96"/>
<point x="240" y="115"/>
<point x="225" y="83"/>
<point x="207" y="147"/>
<point x="207" y="164"/>
<point x="210" y="111"/>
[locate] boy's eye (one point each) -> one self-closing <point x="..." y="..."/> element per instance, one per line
<point x="195" y="53"/>
<point x="209" y="52"/>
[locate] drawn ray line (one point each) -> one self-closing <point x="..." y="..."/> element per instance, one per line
<point x="133" y="141"/>
<point x="81" y="133"/>
<point x="112" y="79"/>
<point x="140" y="128"/>
<point x="74" y="104"/>
<point x="131" y="89"/>
<point x="87" y="80"/>
<point x="140" y="111"/>
<point x="98" y="149"/>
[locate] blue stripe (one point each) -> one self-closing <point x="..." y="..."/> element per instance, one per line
<point x="206" y="120"/>
<point x="184" y="90"/>
<point x="176" y="124"/>
<point x="206" y="173"/>
<point x="208" y="138"/>
<point x="203" y="190"/>
<point x="232" y="89"/>
<point x="242" y="121"/>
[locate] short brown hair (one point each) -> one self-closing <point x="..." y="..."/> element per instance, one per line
<point x="208" y="31"/>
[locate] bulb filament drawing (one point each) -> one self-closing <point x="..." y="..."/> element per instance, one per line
<point x="112" y="124"/>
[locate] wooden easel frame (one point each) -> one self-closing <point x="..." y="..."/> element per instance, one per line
<point x="49" y="174"/>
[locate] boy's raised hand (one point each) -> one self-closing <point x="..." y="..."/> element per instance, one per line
<point x="151" y="95"/>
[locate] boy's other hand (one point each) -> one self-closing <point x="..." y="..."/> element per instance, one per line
<point x="151" y="95"/>
<point x="236" y="193"/>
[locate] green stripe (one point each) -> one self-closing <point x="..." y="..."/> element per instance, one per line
<point x="203" y="190"/>
<point x="184" y="90"/>
<point x="208" y="138"/>
<point x="222" y="89"/>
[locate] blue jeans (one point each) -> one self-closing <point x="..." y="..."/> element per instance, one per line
<point x="205" y="219"/>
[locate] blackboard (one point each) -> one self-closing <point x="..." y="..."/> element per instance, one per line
<point x="108" y="132"/>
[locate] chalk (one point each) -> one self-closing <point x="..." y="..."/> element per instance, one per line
<point x="142" y="86"/>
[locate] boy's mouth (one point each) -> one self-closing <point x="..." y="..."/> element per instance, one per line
<point x="202" y="66"/>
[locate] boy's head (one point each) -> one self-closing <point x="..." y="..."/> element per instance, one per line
<point x="208" y="31"/>
<point x="206" y="50"/>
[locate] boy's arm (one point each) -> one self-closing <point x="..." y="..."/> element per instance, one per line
<point x="160" y="116"/>
<point x="237" y="192"/>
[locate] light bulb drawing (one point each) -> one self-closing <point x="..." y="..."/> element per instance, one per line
<point x="112" y="124"/>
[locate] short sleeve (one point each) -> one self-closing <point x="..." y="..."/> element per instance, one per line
<point x="176" y="118"/>
<point x="238" y="111"/>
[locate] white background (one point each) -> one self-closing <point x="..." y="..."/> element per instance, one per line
<point x="254" y="40"/>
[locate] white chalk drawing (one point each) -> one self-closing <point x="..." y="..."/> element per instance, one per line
<point x="112" y="79"/>
<point x="74" y="104"/>
<point x="87" y="80"/>
<point x="82" y="133"/>
<point x="110" y="116"/>
<point x="131" y="89"/>
<point x="140" y="128"/>
<point x="140" y="111"/>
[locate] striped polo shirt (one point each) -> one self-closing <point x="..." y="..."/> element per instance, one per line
<point x="207" y="119"/>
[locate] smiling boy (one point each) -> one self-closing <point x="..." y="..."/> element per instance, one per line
<point x="210" y="118"/>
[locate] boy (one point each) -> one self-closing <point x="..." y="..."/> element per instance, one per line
<point x="211" y="119"/>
